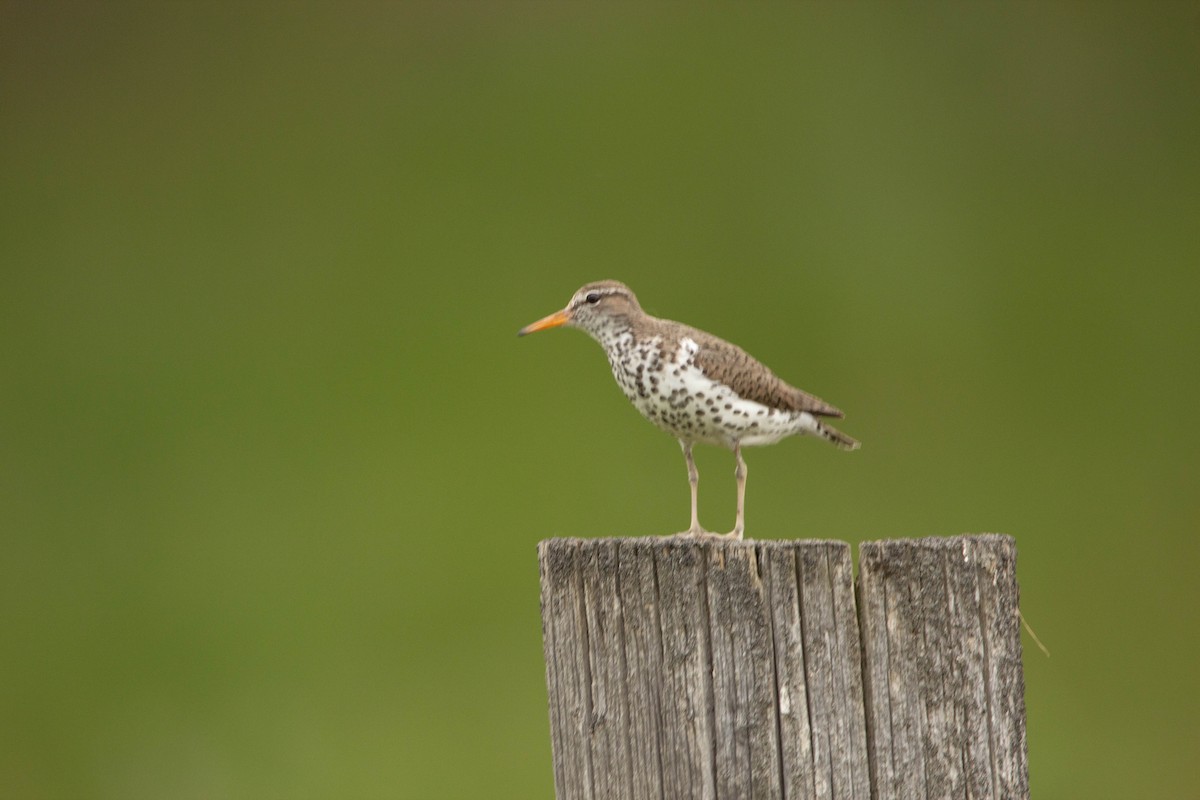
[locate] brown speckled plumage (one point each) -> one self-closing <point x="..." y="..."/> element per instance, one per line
<point x="692" y="384"/>
<point x="731" y="365"/>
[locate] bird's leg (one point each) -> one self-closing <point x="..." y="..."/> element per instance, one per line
<point x="739" y="526"/>
<point x="694" y="480"/>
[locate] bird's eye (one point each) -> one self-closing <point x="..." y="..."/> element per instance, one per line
<point x="593" y="298"/>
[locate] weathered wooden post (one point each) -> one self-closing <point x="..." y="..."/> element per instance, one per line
<point x="682" y="668"/>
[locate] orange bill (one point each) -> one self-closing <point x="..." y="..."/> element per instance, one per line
<point x="553" y="321"/>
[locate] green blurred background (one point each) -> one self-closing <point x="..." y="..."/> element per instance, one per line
<point x="274" y="464"/>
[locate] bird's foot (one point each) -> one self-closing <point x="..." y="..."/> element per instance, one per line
<point x="700" y="533"/>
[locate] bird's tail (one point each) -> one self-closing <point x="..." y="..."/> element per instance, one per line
<point x="832" y="434"/>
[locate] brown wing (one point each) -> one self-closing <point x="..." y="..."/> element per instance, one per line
<point x="751" y="379"/>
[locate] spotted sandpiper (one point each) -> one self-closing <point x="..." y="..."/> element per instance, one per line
<point x="693" y="385"/>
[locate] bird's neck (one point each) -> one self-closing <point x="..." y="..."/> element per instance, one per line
<point x="617" y="331"/>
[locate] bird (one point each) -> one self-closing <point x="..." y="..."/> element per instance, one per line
<point x="693" y="385"/>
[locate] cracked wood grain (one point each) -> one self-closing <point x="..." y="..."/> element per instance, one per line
<point x="684" y="668"/>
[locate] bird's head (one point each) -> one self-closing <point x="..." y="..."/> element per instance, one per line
<point x="596" y="308"/>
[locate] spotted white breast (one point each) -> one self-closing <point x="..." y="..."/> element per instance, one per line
<point x="676" y="395"/>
